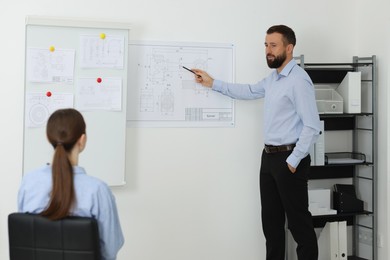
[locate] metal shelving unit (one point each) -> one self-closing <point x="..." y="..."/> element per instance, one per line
<point x="363" y="128"/>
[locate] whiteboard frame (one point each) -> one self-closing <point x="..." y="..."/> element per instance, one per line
<point x="86" y="24"/>
<point x="69" y="22"/>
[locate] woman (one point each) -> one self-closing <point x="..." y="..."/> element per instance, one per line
<point x="63" y="188"/>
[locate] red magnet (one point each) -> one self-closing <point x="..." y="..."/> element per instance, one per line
<point x="99" y="80"/>
<point x="48" y="94"/>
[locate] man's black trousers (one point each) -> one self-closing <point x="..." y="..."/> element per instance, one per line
<point x="285" y="195"/>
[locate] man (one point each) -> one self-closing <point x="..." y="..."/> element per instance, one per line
<point x="291" y="125"/>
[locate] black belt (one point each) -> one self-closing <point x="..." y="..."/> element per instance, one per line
<point x="279" y="148"/>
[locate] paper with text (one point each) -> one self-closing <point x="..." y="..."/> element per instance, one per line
<point x="102" y="53"/>
<point x="39" y="107"/>
<point x="94" y="95"/>
<point x="48" y="66"/>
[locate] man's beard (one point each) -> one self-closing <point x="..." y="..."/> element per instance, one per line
<point x="277" y="61"/>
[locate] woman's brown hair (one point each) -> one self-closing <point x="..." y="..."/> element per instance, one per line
<point x="64" y="128"/>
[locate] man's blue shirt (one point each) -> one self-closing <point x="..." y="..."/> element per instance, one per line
<point x="290" y="110"/>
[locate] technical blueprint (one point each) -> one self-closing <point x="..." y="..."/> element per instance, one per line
<point x="162" y="93"/>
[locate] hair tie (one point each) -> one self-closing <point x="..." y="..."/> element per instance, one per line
<point x="58" y="144"/>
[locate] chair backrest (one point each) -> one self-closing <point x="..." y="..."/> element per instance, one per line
<point x="33" y="237"/>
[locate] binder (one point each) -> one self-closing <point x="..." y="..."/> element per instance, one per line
<point x="319" y="147"/>
<point x="350" y="90"/>
<point x="312" y="155"/>
<point x="328" y="242"/>
<point x="343" y="240"/>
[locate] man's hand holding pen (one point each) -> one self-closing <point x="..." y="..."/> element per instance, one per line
<point x="203" y="78"/>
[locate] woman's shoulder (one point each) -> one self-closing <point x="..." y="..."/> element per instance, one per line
<point x="85" y="180"/>
<point x="38" y="172"/>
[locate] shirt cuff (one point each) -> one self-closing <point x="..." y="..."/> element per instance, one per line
<point x="293" y="160"/>
<point x="217" y="85"/>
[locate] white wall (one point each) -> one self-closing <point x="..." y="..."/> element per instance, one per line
<point x="191" y="193"/>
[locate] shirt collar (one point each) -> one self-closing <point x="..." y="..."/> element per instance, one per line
<point x="286" y="70"/>
<point x="78" y="170"/>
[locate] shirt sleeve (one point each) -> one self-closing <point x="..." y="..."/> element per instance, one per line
<point x="306" y="108"/>
<point x="240" y="91"/>
<point x="106" y="213"/>
<point x="306" y="139"/>
<point x="21" y="198"/>
<point x="28" y="199"/>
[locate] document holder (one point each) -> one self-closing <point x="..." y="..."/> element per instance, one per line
<point x="345" y="200"/>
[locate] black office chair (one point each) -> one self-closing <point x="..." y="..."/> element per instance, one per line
<point x="33" y="237"/>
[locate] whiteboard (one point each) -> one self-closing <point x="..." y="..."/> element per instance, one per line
<point x="84" y="66"/>
<point x="164" y="94"/>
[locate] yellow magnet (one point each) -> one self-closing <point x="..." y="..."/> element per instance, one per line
<point x="52" y="48"/>
<point x="102" y="36"/>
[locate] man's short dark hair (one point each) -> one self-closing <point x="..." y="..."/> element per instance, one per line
<point x="287" y="32"/>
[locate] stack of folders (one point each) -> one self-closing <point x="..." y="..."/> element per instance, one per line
<point x="332" y="242"/>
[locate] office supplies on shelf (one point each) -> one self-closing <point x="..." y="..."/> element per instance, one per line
<point x="319" y="147"/>
<point x="343" y="240"/>
<point x="328" y="243"/>
<point x="328" y="101"/>
<point x="344" y="158"/>
<point x="319" y="202"/>
<point x="345" y="200"/>
<point x="332" y="242"/>
<point x="350" y="90"/>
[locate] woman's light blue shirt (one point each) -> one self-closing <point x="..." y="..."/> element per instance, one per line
<point x="290" y="109"/>
<point x="93" y="199"/>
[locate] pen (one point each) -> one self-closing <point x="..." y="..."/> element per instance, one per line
<point x="191" y="71"/>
